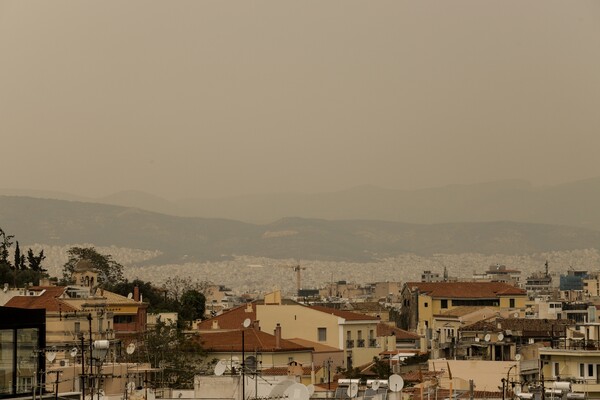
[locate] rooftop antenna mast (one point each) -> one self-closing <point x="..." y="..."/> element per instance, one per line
<point x="546" y="265"/>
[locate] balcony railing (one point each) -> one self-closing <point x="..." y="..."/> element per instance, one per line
<point x="360" y="343"/>
<point x="349" y="343"/>
<point x="372" y="342"/>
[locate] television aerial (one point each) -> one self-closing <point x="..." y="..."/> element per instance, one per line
<point x="396" y="383"/>
<point x="130" y="348"/>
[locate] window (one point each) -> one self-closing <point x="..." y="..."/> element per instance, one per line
<point x="582" y="370"/>
<point x="444" y="304"/>
<point x="511" y="303"/>
<point x="425" y="305"/>
<point x="555" y="369"/>
<point x="322" y="334"/>
<point x="359" y="334"/>
<point x="590" y="368"/>
<point x="349" y="335"/>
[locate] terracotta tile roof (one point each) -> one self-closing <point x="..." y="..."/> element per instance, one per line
<point x="318" y="347"/>
<point x="279" y="371"/>
<point x="347" y="315"/>
<point x="254" y="340"/>
<point x="416" y="376"/>
<point x="232" y="319"/>
<point x="465" y="290"/>
<point x="522" y="326"/>
<point x="48" y="299"/>
<point x="387" y="330"/>
<point x="464" y="310"/>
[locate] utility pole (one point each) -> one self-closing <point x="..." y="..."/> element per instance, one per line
<point x="89" y="317"/>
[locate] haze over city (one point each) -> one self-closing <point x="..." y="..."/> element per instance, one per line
<point x="213" y="99"/>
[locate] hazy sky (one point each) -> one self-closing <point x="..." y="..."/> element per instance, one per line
<point x="216" y="98"/>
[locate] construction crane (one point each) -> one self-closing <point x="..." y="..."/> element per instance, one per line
<point x="297" y="269"/>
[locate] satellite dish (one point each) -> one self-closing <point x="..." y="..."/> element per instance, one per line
<point x="352" y="390"/>
<point x="395" y="383"/>
<point x="51" y="355"/>
<point x="250" y="363"/>
<point x="220" y="368"/>
<point x="130" y="296"/>
<point x="311" y="389"/>
<point x="296" y="391"/>
<point x="247" y="322"/>
<point x="279" y="389"/>
<point x="518" y="357"/>
<point x="516" y="315"/>
<point x="487" y="337"/>
<point x="500" y="336"/>
<point x="130" y="386"/>
<point x="5" y="288"/>
<point x="375" y="385"/>
<point x="130" y="348"/>
<point x="477" y="339"/>
<point x="73" y="352"/>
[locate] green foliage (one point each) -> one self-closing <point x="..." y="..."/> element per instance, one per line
<point x="5" y="243"/>
<point x="35" y="262"/>
<point x="18" y="273"/>
<point x="109" y="271"/>
<point x="381" y="368"/>
<point x="193" y="305"/>
<point x="178" y="353"/>
<point x="156" y="298"/>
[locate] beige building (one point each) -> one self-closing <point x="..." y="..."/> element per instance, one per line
<point x="421" y="301"/>
<point x="355" y="334"/>
<point x="486" y="375"/>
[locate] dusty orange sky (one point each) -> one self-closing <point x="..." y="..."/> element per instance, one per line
<point x="218" y="98"/>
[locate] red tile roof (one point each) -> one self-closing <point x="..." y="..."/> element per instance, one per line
<point x="254" y="340"/>
<point x="347" y="315"/>
<point x="232" y="319"/>
<point x="48" y="299"/>
<point x="387" y="330"/>
<point x="465" y="290"/>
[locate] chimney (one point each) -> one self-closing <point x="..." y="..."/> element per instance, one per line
<point x="278" y="336"/>
<point x="136" y="293"/>
<point x="249" y="307"/>
<point x="215" y="324"/>
<point x="256" y="325"/>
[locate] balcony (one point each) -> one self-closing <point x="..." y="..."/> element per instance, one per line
<point x="349" y="343"/>
<point x="372" y="342"/>
<point x="360" y="343"/>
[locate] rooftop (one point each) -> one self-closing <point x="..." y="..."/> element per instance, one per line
<point x="465" y="290"/>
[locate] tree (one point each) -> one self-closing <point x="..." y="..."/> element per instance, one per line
<point x="193" y="305"/>
<point x="19" y="258"/>
<point x="109" y="271"/>
<point x="178" y="354"/>
<point x="5" y="243"/>
<point x="381" y="368"/>
<point x="156" y="297"/>
<point x="35" y="262"/>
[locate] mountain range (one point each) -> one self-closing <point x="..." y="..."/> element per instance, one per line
<point x="573" y="204"/>
<point x="183" y="239"/>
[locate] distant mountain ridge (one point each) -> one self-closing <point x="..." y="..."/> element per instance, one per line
<point x="183" y="239"/>
<point x="573" y="204"/>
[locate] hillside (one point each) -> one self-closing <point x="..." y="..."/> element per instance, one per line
<point x="198" y="239"/>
